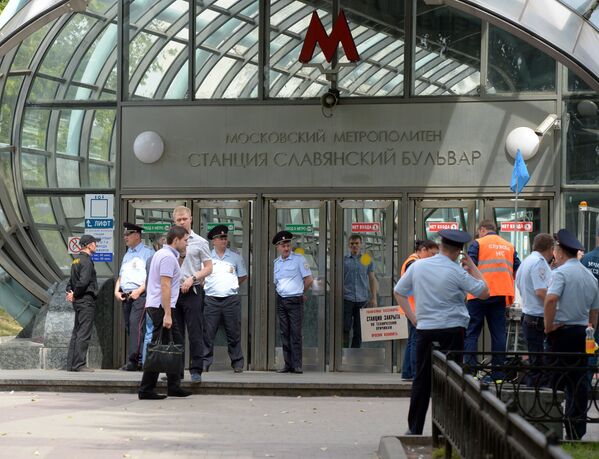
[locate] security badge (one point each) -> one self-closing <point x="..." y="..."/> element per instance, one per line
<point x="306" y="266"/>
<point x="542" y="274"/>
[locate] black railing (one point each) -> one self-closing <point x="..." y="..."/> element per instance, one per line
<point x="472" y="418"/>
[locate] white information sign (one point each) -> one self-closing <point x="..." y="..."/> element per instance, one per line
<point x="383" y="323"/>
<point x="99" y="222"/>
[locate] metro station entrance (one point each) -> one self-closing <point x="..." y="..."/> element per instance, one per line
<point x="322" y="227"/>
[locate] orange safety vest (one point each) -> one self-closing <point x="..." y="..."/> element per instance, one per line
<point x="496" y="264"/>
<point x="411" y="258"/>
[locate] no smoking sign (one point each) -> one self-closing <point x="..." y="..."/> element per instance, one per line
<point x="73" y="245"/>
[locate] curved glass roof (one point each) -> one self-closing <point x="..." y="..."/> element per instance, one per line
<point x="59" y="86"/>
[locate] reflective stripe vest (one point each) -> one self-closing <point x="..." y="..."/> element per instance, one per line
<point x="496" y="264"/>
<point x="404" y="267"/>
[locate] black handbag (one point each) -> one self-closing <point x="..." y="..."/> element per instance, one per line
<point x="164" y="358"/>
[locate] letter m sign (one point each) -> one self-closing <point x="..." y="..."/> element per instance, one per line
<point x="328" y="43"/>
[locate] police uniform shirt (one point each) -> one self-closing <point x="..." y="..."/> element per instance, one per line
<point x="591" y="261"/>
<point x="577" y="290"/>
<point x="133" y="268"/>
<point x="198" y="251"/>
<point x="439" y="287"/>
<point x="355" y="278"/>
<point x="289" y="275"/>
<point x="534" y="274"/>
<point x="224" y="280"/>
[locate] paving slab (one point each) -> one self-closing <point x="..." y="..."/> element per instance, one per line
<point x="106" y="426"/>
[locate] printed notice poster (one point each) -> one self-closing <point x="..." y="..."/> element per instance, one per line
<point x="383" y="323"/>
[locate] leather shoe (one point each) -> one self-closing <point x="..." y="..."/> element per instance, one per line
<point x="297" y="370"/>
<point x="150" y="396"/>
<point x="285" y="370"/>
<point x="238" y="370"/>
<point x="84" y="369"/>
<point x="196" y="378"/>
<point x="179" y="393"/>
<point x="130" y="367"/>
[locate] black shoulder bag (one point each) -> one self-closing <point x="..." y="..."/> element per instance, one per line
<point x="164" y="358"/>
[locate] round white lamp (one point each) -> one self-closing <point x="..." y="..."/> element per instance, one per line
<point x="587" y="108"/>
<point x="523" y="139"/>
<point x="148" y="147"/>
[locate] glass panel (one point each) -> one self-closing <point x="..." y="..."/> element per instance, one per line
<point x="435" y="219"/>
<point x="521" y="240"/>
<point x="516" y="66"/>
<point x="101" y="135"/>
<point x="73" y="207"/>
<point x="447" y="51"/>
<point x="576" y="84"/>
<point x="3" y="219"/>
<point x="34" y="170"/>
<point x="582" y="141"/>
<point x="35" y="127"/>
<point x="7" y="175"/>
<point x="61" y="51"/>
<point x="9" y="100"/>
<point x="100" y="176"/>
<point x="41" y="210"/>
<point x="288" y="77"/>
<point x="57" y="247"/>
<point x="100" y="6"/>
<point x="226" y="49"/>
<point x="69" y="132"/>
<point x="158" y="46"/>
<point x="378" y="31"/>
<point x="29" y="47"/>
<point x="368" y="251"/>
<point x="43" y="89"/>
<point x="67" y="173"/>
<point x="16" y="300"/>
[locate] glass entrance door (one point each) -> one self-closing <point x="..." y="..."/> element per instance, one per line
<point x="308" y="221"/>
<point x="369" y="226"/>
<point x="519" y="225"/>
<point x="431" y="216"/>
<point x="236" y="215"/>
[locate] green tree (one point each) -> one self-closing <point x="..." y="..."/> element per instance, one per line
<point x="3" y="4"/>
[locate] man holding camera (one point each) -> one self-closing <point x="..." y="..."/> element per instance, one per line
<point x="130" y="289"/>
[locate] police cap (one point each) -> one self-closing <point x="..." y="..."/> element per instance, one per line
<point x="132" y="228"/>
<point x="87" y="239"/>
<point x="456" y="238"/>
<point x="282" y="236"/>
<point x="566" y="239"/>
<point x="218" y="231"/>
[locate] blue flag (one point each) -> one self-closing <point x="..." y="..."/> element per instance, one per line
<point x="520" y="174"/>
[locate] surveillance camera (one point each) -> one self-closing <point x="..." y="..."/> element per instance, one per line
<point x="546" y="125"/>
<point x="330" y="98"/>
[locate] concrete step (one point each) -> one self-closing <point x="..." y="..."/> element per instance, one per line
<point x="214" y="382"/>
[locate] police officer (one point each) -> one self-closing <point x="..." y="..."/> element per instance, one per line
<point x="572" y="302"/>
<point x="292" y="278"/>
<point x="222" y="300"/>
<point x="532" y="280"/>
<point x="439" y="287"/>
<point x="82" y="291"/>
<point x="130" y="289"/>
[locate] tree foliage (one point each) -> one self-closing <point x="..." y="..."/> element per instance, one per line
<point x="3" y="4"/>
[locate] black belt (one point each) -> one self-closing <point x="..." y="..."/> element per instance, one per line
<point x="533" y="319"/>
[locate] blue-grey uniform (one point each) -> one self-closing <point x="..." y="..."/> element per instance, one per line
<point x="222" y="302"/>
<point x="533" y="274"/>
<point x="132" y="276"/>
<point x="289" y="274"/>
<point x="439" y="286"/>
<point x="577" y="294"/>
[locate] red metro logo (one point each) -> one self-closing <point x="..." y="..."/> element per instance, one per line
<point x="328" y="43"/>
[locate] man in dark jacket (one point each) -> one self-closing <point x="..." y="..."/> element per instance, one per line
<point x="82" y="290"/>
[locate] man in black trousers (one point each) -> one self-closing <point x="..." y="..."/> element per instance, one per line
<point x="82" y="291"/>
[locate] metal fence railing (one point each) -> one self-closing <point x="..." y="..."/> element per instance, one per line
<point x="472" y="418"/>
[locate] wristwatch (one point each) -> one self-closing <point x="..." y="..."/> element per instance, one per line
<point x="194" y="278"/>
